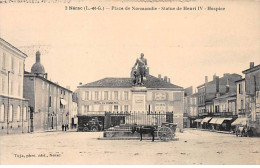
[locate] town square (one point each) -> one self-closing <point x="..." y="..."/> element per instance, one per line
<point x="194" y="147"/>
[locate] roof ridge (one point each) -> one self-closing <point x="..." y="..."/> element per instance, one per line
<point x="153" y="82"/>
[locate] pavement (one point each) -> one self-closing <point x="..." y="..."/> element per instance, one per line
<point x="223" y="132"/>
<point x="194" y="147"/>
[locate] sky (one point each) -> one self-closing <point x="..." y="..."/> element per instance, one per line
<point x="85" y="46"/>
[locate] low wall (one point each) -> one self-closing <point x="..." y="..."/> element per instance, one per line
<point x="110" y="134"/>
<point x="14" y="128"/>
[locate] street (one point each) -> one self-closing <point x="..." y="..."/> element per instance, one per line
<point x="193" y="147"/>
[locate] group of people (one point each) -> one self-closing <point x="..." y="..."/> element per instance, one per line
<point x="65" y="127"/>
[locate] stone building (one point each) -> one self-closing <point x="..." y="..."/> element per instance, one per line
<point x="119" y="94"/>
<point x="193" y="115"/>
<point x="217" y="102"/>
<point x="242" y="103"/>
<point x="187" y="104"/>
<point x="252" y="91"/>
<point x="248" y="99"/>
<point x="208" y="91"/>
<point x="49" y="102"/>
<point x="241" y="98"/>
<point x="13" y="107"/>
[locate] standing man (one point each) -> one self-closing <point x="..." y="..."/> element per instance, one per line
<point x="141" y="64"/>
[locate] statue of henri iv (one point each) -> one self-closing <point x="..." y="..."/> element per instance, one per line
<point x="139" y="70"/>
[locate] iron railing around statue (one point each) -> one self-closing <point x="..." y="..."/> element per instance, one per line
<point x="113" y="118"/>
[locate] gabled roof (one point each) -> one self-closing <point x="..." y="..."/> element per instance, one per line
<point x="251" y="69"/>
<point x="151" y="82"/>
<point x="13" y="47"/>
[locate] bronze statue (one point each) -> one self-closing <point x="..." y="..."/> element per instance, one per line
<point x="139" y="70"/>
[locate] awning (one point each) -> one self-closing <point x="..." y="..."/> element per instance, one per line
<point x="239" y="121"/>
<point x="220" y="121"/>
<point x="198" y="120"/>
<point x="228" y="119"/>
<point x="213" y="121"/>
<point x="205" y="120"/>
<point x="63" y="102"/>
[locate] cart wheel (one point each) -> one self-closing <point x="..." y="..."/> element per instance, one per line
<point x="165" y="134"/>
<point x="94" y="128"/>
<point x="85" y="129"/>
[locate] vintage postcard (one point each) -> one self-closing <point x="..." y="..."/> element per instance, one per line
<point x="129" y="82"/>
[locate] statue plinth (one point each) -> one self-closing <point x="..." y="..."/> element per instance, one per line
<point x="139" y="98"/>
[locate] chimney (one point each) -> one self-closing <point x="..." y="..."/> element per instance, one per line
<point x="214" y="76"/>
<point x="159" y="76"/>
<point x="165" y="79"/>
<point x="169" y="80"/>
<point x="46" y="75"/>
<point x="252" y="64"/>
<point x="217" y="84"/>
<point x="80" y="83"/>
<point x="227" y="86"/>
<point x="206" y="79"/>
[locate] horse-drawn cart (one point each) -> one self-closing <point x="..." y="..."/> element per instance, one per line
<point x="165" y="132"/>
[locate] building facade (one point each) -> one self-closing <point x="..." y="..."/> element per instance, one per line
<point x="201" y="99"/>
<point x="14" y="114"/>
<point x="187" y="104"/>
<point x="119" y="94"/>
<point x="208" y="91"/>
<point x="73" y="115"/>
<point x="242" y="100"/>
<point x="226" y="104"/>
<point x="252" y="91"/>
<point x="49" y="102"/>
<point x="193" y="115"/>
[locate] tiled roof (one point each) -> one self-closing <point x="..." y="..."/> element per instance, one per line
<point x="28" y="74"/>
<point x="151" y="82"/>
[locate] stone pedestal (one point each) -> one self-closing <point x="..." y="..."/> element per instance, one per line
<point x="139" y="98"/>
<point x="138" y="106"/>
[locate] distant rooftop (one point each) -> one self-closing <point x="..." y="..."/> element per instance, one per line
<point x="28" y="74"/>
<point x="151" y="82"/>
<point x="251" y="69"/>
